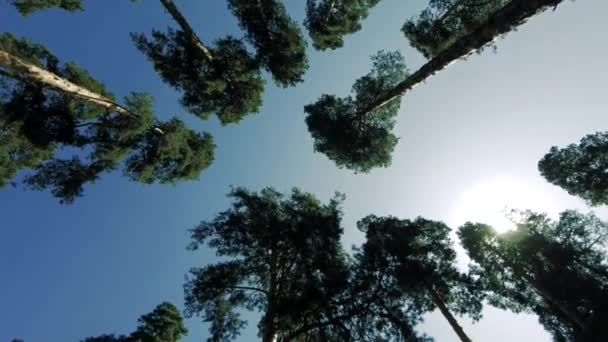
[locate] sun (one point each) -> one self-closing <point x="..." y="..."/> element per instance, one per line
<point x="491" y="200"/>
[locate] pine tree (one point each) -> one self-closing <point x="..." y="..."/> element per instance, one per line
<point x="359" y="143"/>
<point x="580" y="169"/>
<point x="46" y="107"/>
<point x="557" y="270"/>
<point x="278" y="41"/>
<point x="163" y="324"/>
<point x="500" y="22"/>
<point x="282" y="257"/>
<point x="419" y="256"/>
<point x="446" y="21"/>
<point x="328" y="21"/>
<point x="224" y="80"/>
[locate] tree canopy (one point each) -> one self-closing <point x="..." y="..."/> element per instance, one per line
<point x="328" y="21"/>
<point x="278" y="41"/>
<point x="356" y="133"/>
<point x="27" y="7"/>
<point x="284" y="259"/>
<point x="224" y="80"/>
<point x="419" y="255"/>
<point x="581" y="169"/>
<point x="163" y="324"/>
<point x="443" y="22"/>
<point x="359" y="142"/>
<point x="42" y="125"/>
<point x="556" y="269"/>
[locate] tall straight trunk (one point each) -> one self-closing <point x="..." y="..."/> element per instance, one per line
<point x="36" y="74"/>
<point x="503" y="21"/>
<point x="446" y="313"/>
<point x="269" y="333"/>
<point x="185" y="26"/>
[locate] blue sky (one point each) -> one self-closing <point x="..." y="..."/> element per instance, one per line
<point x="470" y="141"/>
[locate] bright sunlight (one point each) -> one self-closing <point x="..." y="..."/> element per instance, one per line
<point x="491" y="200"/>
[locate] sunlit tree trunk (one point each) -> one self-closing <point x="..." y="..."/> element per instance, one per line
<point x="185" y="26"/>
<point x="503" y="21"/>
<point x="34" y="73"/>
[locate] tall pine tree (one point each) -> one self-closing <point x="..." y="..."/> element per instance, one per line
<point x="48" y="108"/>
<point x="419" y="256"/>
<point x="505" y="20"/>
<point x="223" y="79"/>
<point x="556" y="269"/>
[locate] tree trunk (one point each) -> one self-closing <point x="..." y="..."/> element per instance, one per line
<point x="185" y="26"/>
<point x="446" y="313"/>
<point x="269" y="333"/>
<point x="52" y="80"/>
<point x="503" y="21"/>
<point x="49" y="79"/>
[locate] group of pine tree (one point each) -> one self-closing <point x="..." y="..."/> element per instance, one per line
<point x="61" y="129"/>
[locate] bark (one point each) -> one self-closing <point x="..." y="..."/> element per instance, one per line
<point x="49" y="79"/>
<point x="185" y="26"/>
<point x="36" y="74"/>
<point x="446" y="313"/>
<point x="269" y="333"/>
<point x="501" y="22"/>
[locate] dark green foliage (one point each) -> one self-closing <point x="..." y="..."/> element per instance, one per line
<point x="279" y="43"/>
<point x="557" y="270"/>
<point x="282" y="257"/>
<point x="27" y="7"/>
<point x="285" y="260"/>
<point x="229" y="85"/>
<point x="581" y="169"/>
<point x="419" y="256"/>
<point x="359" y="142"/>
<point x="38" y="125"/>
<point x="328" y="21"/>
<point x="178" y="154"/>
<point x="445" y="21"/>
<point x="163" y="324"/>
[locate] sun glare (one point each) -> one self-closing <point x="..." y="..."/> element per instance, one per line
<point x="490" y="201"/>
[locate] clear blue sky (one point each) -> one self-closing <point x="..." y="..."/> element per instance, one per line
<point x="470" y="141"/>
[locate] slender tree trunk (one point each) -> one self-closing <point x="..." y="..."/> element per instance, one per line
<point x="36" y="74"/>
<point x="269" y="333"/>
<point x="446" y="313"/>
<point x="185" y="26"/>
<point x="503" y="21"/>
<point x="49" y="79"/>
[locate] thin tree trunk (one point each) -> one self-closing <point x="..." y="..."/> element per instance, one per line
<point x="49" y="79"/>
<point x="269" y="334"/>
<point x="446" y="313"/>
<point x="185" y="26"/>
<point x="503" y="21"/>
